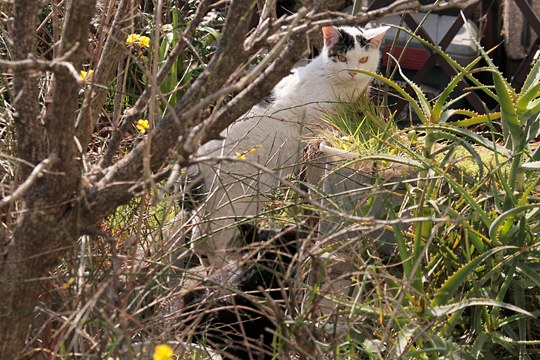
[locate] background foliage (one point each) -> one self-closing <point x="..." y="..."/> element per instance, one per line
<point x="93" y="254"/>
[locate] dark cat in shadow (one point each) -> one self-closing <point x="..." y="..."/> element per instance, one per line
<point x="235" y="311"/>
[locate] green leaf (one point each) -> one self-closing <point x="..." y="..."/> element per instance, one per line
<point x="470" y="136"/>
<point x="441" y="100"/>
<point x="211" y="31"/>
<point x="466" y="145"/>
<point x="533" y="109"/>
<point x="422" y="99"/>
<point x="444" y="310"/>
<point x="417" y="110"/>
<point x="455" y="112"/>
<point x="508" y="216"/>
<point x="451" y="61"/>
<point x="475" y="120"/>
<point x="452" y="284"/>
<point x="508" y="340"/>
<point x="524" y="101"/>
<point x="529" y="273"/>
<point x="394" y="159"/>
<point x="478" y="345"/>
<point x="509" y="115"/>
<point x="532" y="77"/>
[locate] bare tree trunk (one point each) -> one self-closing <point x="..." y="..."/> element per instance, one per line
<point x="48" y="225"/>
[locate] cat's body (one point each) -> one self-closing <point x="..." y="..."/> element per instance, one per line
<point x="272" y="134"/>
<point x="235" y="311"/>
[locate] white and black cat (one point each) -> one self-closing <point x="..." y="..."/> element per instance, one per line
<point x="271" y="135"/>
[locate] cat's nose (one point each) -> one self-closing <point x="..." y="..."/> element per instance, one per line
<point x="352" y="73"/>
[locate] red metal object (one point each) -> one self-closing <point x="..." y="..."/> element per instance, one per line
<point x="412" y="59"/>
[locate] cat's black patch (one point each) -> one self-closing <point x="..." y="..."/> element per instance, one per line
<point x="229" y="311"/>
<point x="362" y="40"/>
<point x="342" y="46"/>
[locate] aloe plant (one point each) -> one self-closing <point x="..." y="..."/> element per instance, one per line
<point x="470" y="258"/>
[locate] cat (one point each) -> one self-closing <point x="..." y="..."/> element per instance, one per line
<point x="271" y="134"/>
<point x="228" y="312"/>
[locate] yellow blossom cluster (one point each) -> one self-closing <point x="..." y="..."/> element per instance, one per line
<point x="142" y="125"/>
<point x="140" y="41"/>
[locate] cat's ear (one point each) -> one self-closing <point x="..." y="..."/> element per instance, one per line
<point x="376" y="36"/>
<point x="331" y="35"/>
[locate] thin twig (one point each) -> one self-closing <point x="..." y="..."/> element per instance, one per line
<point x="131" y="114"/>
<point x="316" y="202"/>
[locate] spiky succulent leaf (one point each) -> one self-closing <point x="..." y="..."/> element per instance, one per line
<point x="422" y="99"/>
<point x="532" y="78"/>
<point x="418" y="111"/>
<point x="441" y="103"/>
<point x="532" y="166"/>
<point x="509" y="114"/>
<point x="395" y="159"/>
<point x="475" y="120"/>
<point x="466" y="145"/>
<point x="472" y="137"/>
<point x="444" y="310"/>
<point x="450" y="60"/>
<point x="525" y="100"/>
<point x="450" y="288"/>
<point x="507" y="217"/>
<point x="453" y="112"/>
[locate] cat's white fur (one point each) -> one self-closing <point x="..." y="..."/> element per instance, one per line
<point x="272" y="137"/>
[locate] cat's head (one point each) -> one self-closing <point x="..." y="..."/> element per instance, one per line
<point x="348" y="47"/>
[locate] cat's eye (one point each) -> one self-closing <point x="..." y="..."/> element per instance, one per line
<point x="342" y="58"/>
<point x="363" y="59"/>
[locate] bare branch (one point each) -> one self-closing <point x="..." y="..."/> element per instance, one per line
<point x="25" y="87"/>
<point x="114" y="52"/>
<point x="55" y="66"/>
<point x="111" y="190"/>
<point x="47" y="225"/>
<point x="133" y="113"/>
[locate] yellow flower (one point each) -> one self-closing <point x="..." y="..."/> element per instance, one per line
<point x="242" y="155"/>
<point x="163" y="352"/>
<point x="137" y="40"/>
<point x="142" y="125"/>
<point x="68" y="283"/>
<point x="144" y="41"/>
<point x="133" y="39"/>
<point x="86" y="75"/>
